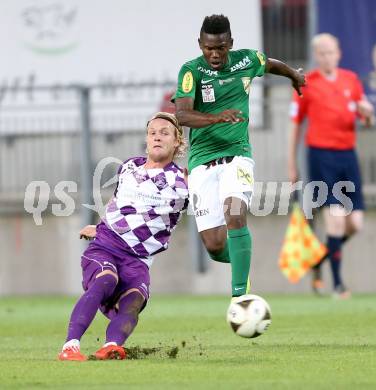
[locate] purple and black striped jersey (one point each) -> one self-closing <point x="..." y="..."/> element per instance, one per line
<point x="146" y="207"/>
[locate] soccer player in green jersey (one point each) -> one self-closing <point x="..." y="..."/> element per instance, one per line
<point x="212" y="99"/>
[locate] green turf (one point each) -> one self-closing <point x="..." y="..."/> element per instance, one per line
<point x="312" y="343"/>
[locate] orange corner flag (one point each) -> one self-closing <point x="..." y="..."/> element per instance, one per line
<point x="301" y="249"/>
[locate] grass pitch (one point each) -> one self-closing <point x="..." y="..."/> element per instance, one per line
<point x="184" y="342"/>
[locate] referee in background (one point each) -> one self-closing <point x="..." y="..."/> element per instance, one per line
<point x="332" y="100"/>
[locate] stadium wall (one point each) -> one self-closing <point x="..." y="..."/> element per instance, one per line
<point x="46" y="259"/>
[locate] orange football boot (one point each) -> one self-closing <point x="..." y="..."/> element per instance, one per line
<point x="111" y="352"/>
<point x="73" y="354"/>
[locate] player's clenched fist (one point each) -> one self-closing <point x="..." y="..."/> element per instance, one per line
<point x="298" y="80"/>
<point x="232" y="116"/>
<point x="88" y="232"/>
<point x="366" y="111"/>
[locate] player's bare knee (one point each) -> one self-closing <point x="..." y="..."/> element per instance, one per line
<point x="235" y="210"/>
<point x="355" y="223"/>
<point x="335" y="223"/>
<point x="236" y="222"/>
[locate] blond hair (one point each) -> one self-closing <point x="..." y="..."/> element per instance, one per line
<point x="179" y="133"/>
<point x="319" y="37"/>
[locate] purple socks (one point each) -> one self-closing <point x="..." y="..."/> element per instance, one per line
<point x="87" y="306"/>
<point x="122" y="325"/>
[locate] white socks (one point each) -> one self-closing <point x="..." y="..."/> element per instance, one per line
<point x="109" y="343"/>
<point x="73" y="344"/>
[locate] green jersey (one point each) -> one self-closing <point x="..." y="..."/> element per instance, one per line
<point x="214" y="91"/>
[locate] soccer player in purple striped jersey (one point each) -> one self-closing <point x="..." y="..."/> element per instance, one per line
<point x="147" y="204"/>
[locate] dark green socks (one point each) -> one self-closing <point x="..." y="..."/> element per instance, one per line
<point x="240" y="249"/>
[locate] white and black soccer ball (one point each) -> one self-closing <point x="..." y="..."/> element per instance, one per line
<point x="249" y="315"/>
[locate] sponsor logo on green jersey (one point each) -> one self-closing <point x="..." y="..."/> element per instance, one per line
<point x="208" y="72"/>
<point x="241" y="64"/>
<point x="227" y="81"/>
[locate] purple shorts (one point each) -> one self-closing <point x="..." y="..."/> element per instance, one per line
<point x="131" y="271"/>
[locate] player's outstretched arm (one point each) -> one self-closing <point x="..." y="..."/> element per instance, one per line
<point x="281" y="69"/>
<point x="189" y="117"/>
<point x="292" y="165"/>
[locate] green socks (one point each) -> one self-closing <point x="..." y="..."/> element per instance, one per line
<point x="240" y="248"/>
<point x="222" y="257"/>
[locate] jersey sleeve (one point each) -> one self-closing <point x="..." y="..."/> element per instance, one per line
<point x="122" y="165"/>
<point x="119" y="172"/>
<point x="258" y="62"/>
<point x="186" y="84"/>
<point x="298" y="108"/>
<point x="181" y="189"/>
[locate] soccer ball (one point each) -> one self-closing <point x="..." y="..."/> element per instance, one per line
<point x="249" y="315"/>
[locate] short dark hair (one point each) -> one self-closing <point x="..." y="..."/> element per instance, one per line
<point x="216" y="24"/>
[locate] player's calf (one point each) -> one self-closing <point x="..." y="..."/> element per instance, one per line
<point x="215" y="241"/>
<point x="87" y="306"/>
<point x="84" y="312"/>
<point x="121" y="326"/>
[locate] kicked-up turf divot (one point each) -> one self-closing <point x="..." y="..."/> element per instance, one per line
<point x="137" y="352"/>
